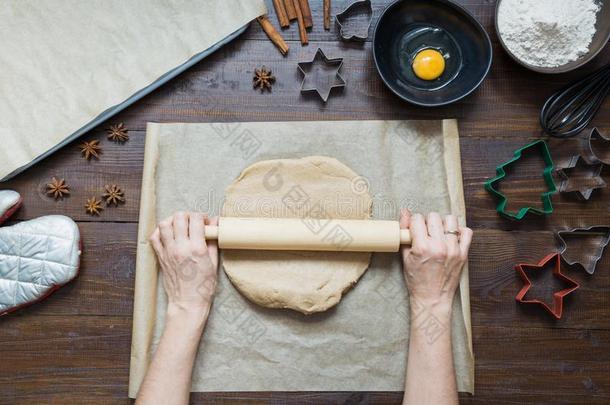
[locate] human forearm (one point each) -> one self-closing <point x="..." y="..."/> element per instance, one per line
<point x="432" y="267"/>
<point x="430" y="372"/>
<point x="168" y="379"/>
<point x="189" y="266"/>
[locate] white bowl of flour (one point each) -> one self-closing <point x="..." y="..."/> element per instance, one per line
<point x="551" y="36"/>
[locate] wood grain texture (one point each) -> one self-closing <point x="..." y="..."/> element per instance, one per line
<point x="74" y="347"/>
<point x="63" y="361"/>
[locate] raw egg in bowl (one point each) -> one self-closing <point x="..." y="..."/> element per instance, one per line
<point x="428" y="64"/>
<point x="430" y="52"/>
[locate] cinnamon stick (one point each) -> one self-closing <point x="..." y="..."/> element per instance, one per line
<point x="281" y="13"/>
<point x="272" y="33"/>
<point x="326" y="14"/>
<point x="306" y="11"/>
<point x="290" y="11"/>
<point x="302" y="30"/>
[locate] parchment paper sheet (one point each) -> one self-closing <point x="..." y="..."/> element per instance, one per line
<point x="63" y="62"/>
<point x="359" y="345"/>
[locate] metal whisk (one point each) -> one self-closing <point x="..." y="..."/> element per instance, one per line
<point x="570" y="110"/>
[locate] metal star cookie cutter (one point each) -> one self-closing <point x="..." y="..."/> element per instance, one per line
<point x="601" y="237"/>
<point x="595" y="134"/>
<point x="584" y="185"/>
<point x="558" y="296"/>
<point x="358" y="10"/>
<point x="320" y="85"/>
<point x="547" y="174"/>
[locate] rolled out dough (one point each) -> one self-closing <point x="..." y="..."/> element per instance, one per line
<point x="315" y="187"/>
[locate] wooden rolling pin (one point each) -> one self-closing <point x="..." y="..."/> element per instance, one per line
<point x="308" y="234"/>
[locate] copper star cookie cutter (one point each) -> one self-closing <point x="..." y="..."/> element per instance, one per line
<point x="583" y="186"/>
<point x="555" y="259"/>
<point x="320" y="82"/>
<point x="361" y="12"/>
<point x="597" y="238"/>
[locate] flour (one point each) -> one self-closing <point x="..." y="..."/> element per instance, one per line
<point x="547" y="33"/>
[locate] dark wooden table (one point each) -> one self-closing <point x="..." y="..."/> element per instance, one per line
<point x="74" y="347"/>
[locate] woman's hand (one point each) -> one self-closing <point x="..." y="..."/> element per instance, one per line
<point x="189" y="264"/>
<point x="432" y="266"/>
<point x="189" y="268"/>
<point x="433" y="263"/>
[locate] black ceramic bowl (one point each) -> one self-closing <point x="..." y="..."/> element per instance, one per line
<point x="403" y="17"/>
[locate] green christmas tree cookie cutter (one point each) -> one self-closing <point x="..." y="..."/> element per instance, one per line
<point x="547" y="174"/>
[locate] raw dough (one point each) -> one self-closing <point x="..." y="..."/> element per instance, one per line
<point x="318" y="187"/>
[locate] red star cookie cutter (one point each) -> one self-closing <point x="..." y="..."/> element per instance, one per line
<point x="557" y="308"/>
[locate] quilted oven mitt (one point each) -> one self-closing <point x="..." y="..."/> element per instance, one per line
<point x="36" y="257"/>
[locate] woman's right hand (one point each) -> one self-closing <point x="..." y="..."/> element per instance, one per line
<point x="433" y="263"/>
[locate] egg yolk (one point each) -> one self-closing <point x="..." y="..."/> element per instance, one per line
<point x="428" y="64"/>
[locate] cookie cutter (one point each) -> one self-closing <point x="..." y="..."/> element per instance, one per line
<point x="547" y="174"/>
<point x="603" y="232"/>
<point x="583" y="188"/>
<point x="358" y="10"/>
<point x="555" y="259"/>
<point x="596" y="134"/>
<point x="322" y="87"/>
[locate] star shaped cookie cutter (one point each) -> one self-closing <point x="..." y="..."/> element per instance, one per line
<point x="358" y="10"/>
<point x="595" y="134"/>
<point x="320" y="85"/>
<point x="582" y="187"/>
<point x="547" y="174"/>
<point x="603" y="232"/>
<point x="555" y="259"/>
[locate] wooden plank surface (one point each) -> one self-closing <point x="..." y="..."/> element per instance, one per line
<point x="74" y="347"/>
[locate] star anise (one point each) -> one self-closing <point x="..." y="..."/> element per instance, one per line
<point x="113" y="195"/>
<point x="93" y="206"/>
<point x="91" y="149"/>
<point x="263" y="79"/>
<point x="118" y="133"/>
<point x="58" y="188"/>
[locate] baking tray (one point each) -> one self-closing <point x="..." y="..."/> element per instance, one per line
<point x="112" y="111"/>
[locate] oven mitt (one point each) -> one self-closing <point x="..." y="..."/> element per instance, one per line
<point x="36" y="257"/>
<point x="10" y="201"/>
